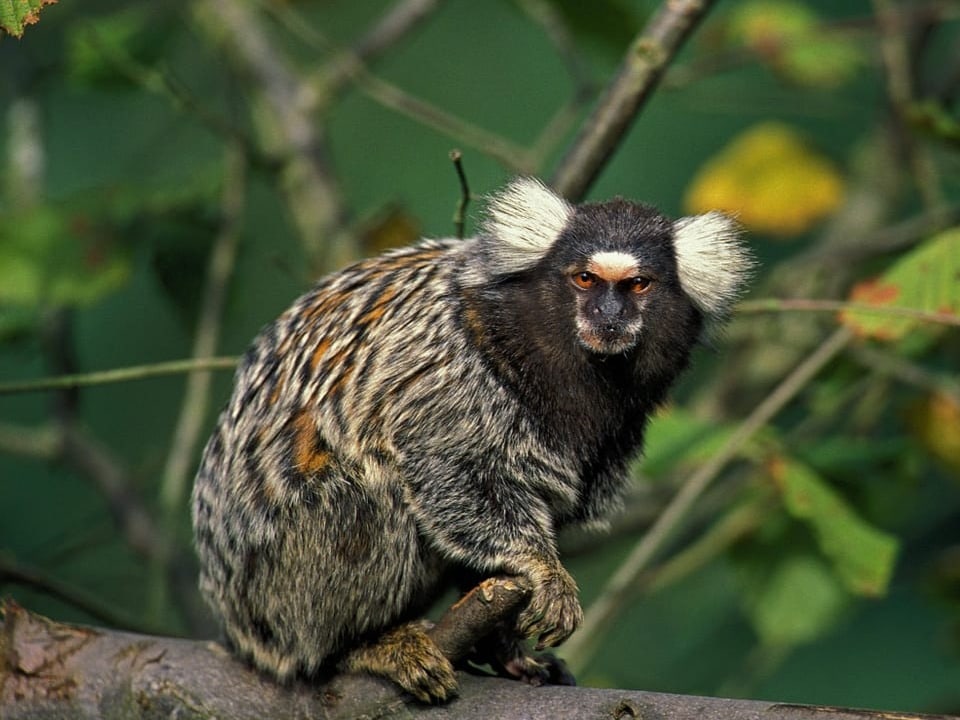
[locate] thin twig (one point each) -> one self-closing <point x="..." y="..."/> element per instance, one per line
<point x="135" y="372"/>
<point x="892" y="24"/>
<point x="509" y="154"/>
<point x="17" y="573"/>
<point x="600" y="616"/>
<point x="161" y="81"/>
<point x="460" y="214"/>
<point x="287" y="127"/>
<point x="852" y="248"/>
<point x="131" y="515"/>
<point x="551" y="20"/>
<point x="639" y="74"/>
<point x="196" y="395"/>
<point x="41" y="443"/>
<point x="907" y="372"/>
<point x="393" y="26"/>
<point x="811" y="305"/>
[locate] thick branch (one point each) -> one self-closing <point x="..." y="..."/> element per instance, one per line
<point x="639" y="74"/>
<point x="52" y="670"/>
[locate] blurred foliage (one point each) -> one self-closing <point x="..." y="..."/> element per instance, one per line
<point x="793" y="40"/>
<point x="771" y="180"/>
<point x="822" y="561"/>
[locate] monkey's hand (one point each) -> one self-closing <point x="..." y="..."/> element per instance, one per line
<point x="554" y="610"/>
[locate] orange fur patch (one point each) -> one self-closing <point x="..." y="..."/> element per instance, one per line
<point x="310" y="453"/>
<point x="319" y="352"/>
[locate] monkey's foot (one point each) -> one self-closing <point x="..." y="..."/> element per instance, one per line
<point x="509" y="657"/>
<point x="407" y="656"/>
<point x="539" y="669"/>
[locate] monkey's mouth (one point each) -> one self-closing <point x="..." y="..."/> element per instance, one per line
<point x="607" y="339"/>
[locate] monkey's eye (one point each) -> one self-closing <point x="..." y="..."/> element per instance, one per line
<point x="640" y="284"/>
<point x="585" y="280"/>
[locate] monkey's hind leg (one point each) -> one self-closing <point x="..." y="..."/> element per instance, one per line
<point x="407" y="656"/>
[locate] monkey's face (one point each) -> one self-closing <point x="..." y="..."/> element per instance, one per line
<point x="618" y="265"/>
<point x="609" y="290"/>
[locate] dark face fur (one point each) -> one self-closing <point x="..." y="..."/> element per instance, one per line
<point x="617" y="269"/>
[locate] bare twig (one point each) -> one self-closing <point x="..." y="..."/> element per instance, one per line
<point x="509" y="154"/>
<point x="42" y="443"/>
<point x="193" y="411"/>
<point x="833" y="306"/>
<point x="907" y="372"/>
<point x="549" y="18"/>
<point x="892" y="24"/>
<point x="599" y="616"/>
<point x="639" y="74"/>
<point x="17" y="573"/>
<point x="196" y="397"/>
<point x="136" y="372"/>
<point x="393" y="26"/>
<point x="460" y="214"/>
<point x="26" y="164"/>
<point x="130" y="513"/>
<point x="287" y="127"/>
<point x="161" y="81"/>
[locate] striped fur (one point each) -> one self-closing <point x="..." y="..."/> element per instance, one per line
<point x="426" y="411"/>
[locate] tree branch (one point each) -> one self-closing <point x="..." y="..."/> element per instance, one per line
<point x="135" y="372"/>
<point x="639" y="74"/>
<point x="54" y="670"/>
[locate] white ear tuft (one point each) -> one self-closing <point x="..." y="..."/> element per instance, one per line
<point x="523" y="221"/>
<point x="712" y="263"/>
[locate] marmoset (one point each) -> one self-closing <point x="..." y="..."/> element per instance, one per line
<point x="448" y="406"/>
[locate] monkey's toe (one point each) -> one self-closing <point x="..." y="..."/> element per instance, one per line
<point x="409" y="657"/>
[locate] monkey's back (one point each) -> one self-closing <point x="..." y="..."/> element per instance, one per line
<point x="303" y="526"/>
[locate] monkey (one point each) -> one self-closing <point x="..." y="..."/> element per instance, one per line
<point x="448" y="406"/>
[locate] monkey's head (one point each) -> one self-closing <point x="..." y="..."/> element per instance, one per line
<point x="620" y="274"/>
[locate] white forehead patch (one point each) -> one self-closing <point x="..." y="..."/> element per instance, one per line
<point x="523" y="221"/>
<point x="612" y="265"/>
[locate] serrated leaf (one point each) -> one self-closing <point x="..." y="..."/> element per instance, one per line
<point x="15" y="15"/>
<point x="862" y="555"/>
<point x="770" y="179"/>
<point x="926" y="279"/>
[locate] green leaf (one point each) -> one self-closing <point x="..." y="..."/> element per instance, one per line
<point x="791" y="38"/>
<point x="15" y="15"/>
<point x="48" y="256"/>
<point x="796" y="602"/>
<point x="675" y="436"/>
<point x="926" y="279"/>
<point x="115" y="49"/>
<point x="862" y="555"/>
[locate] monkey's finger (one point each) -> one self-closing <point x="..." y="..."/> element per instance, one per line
<point x="552" y="638"/>
<point x="531" y="622"/>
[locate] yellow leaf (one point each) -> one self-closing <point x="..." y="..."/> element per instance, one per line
<point x="935" y="423"/>
<point x="770" y="180"/>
